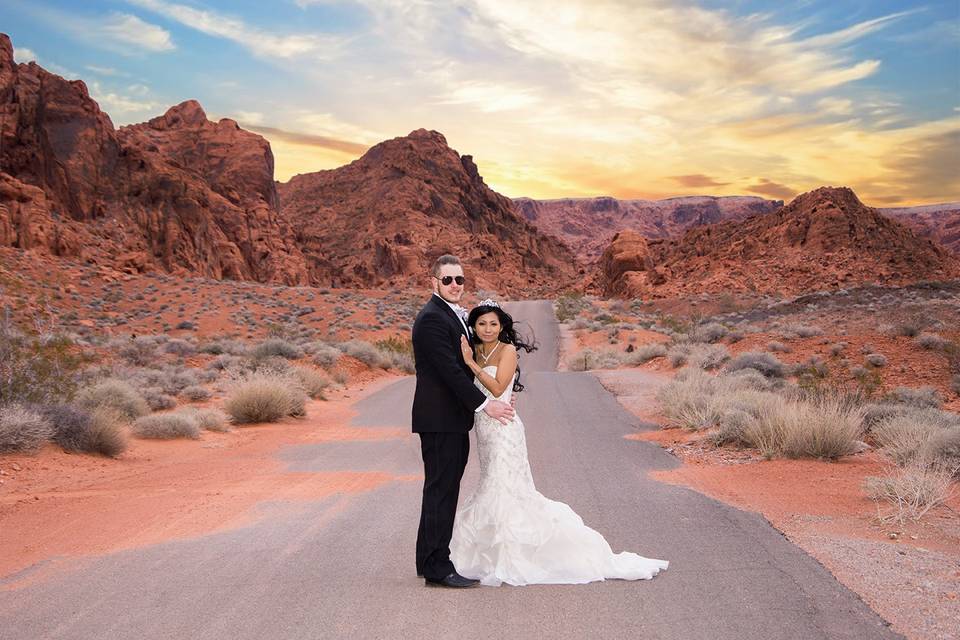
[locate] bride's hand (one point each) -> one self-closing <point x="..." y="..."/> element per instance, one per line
<point x="466" y="350"/>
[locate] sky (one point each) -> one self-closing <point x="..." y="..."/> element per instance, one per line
<point x="552" y="98"/>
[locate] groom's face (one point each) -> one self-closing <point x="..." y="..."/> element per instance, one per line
<point x="450" y="292"/>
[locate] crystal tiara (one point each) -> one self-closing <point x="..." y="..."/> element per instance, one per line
<point x="488" y="303"/>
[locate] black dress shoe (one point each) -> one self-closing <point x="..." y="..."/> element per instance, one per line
<point x="453" y="581"/>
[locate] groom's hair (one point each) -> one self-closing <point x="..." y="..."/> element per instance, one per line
<point x="442" y="260"/>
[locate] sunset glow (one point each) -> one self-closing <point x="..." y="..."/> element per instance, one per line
<point x="628" y="98"/>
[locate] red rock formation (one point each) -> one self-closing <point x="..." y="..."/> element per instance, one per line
<point x="587" y="224"/>
<point x="179" y="193"/>
<point x="823" y="239"/>
<point x="939" y="222"/>
<point x="385" y="217"/>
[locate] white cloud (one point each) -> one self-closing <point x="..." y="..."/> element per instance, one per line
<point x="22" y="55"/>
<point x="490" y="97"/>
<point x="123" y="108"/>
<point x="105" y="71"/>
<point x="248" y="117"/>
<point x="260" y="42"/>
<point x="327" y="124"/>
<point x="131" y="30"/>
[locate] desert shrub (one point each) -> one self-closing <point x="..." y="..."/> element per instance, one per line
<point x="226" y="361"/>
<point x="877" y="412"/>
<point x="115" y="394"/>
<point x="707" y="356"/>
<point x="802" y="331"/>
<point x="157" y="400"/>
<point x="365" y="353"/>
<point x="911" y="327"/>
<point x="907" y="436"/>
<point x="710" y="332"/>
<point x="645" y="353"/>
<point x="955" y="384"/>
<point x="910" y="492"/>
<point x="76" y="429"/>
<point x="569" y="305"/>
<point x="589" y="359"/>
<point x="765" y="363"/>
<point x="774" y="345"/>
<point x="749" y="379"/>
<point x="264" y="397"/>
<point x="821" y="427"/>
<point x="930" y="341"/>
<point x="403" y="362"/>
<point x="140" y="351"/>
<point x="876" y="359"/>
<point x="166" y="426"/>
<point x="812" y="373"/>
<point x="223" y="346"/>
<point x="314" y="382"/>
<point x="923" y="397"/>
<point x="837" y="349"/>
<point x="340" y="377"/>
<point x="690" y="400"/>
<point x="742" y="407"/>
<point x="207" y="419"/>
<point x="179" y="347"/>
<point x="325" y="355"/>
<point x="195" y="393"/>
<point x="276" y="347"/>
<point x="22" y="429"/>
<point x="36" y="368"/>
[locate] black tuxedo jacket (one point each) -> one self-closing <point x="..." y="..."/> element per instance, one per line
<point x="446" y="397"/>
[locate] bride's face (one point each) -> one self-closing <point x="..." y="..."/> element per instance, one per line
<point x="488" y="327"/>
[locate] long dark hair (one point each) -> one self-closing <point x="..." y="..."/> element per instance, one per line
<point x="508" y="334"/>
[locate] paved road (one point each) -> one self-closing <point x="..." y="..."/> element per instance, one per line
<point x="343" y="566"/>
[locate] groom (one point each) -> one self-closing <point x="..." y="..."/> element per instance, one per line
<point x="443" y="407"/>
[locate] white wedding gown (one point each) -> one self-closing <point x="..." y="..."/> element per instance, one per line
<point x="508" y="532"/>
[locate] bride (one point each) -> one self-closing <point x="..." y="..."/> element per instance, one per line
<point x="507" y="531"/>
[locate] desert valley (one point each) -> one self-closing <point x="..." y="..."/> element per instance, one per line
<point x="173" y="316"/>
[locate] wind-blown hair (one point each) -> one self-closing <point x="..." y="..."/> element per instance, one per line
<point x="508" y="334"/>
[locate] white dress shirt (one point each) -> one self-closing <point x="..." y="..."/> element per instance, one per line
<point x="464" y="325"/>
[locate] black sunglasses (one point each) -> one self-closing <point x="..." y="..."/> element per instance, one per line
<point x="446" y="280"/>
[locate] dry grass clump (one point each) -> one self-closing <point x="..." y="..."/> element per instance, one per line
<point x="179" y="347"/>
<point x="921" y="397"/>
<point x="702" y="356"/>
<point x="710" y="332"/>
<point x="140" y="351"/>
<point x="157" y="400"/>
<point x="323" y="354"/>
<point x="99" y="431"/>
<point x="801" y="331"/>
<point x="747" y="412"/>
<point x="645" y="353"/>
<point x="824" y="426"/>
<point x="35" y="368"/>
<point x="777" y="346"/>
<point x="876" y="359"/>
<point x="207" y="419"/>
<point x="265" y="396"/>
<point x="589" y="359"/>
<point x="166" y="426"/>
<point x="910" y="492"/>
<point x="765" y="363"/>
<point x="23" y="429"/>
<point x="115" y="394"/>
<point x="926" y="436"/>
<point x="313" y="382"/>
<point x="366" y="353"/>
<point x="931" y="341"/>
<point x="276" y="347"/>
<point x="195" y="393"/>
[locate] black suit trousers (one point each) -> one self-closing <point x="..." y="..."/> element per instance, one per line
<point x="444" y="459"/>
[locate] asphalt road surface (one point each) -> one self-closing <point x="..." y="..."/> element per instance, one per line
<point x="344" y="566"/>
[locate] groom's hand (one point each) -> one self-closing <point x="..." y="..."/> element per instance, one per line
<point x="500" y="411"/>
